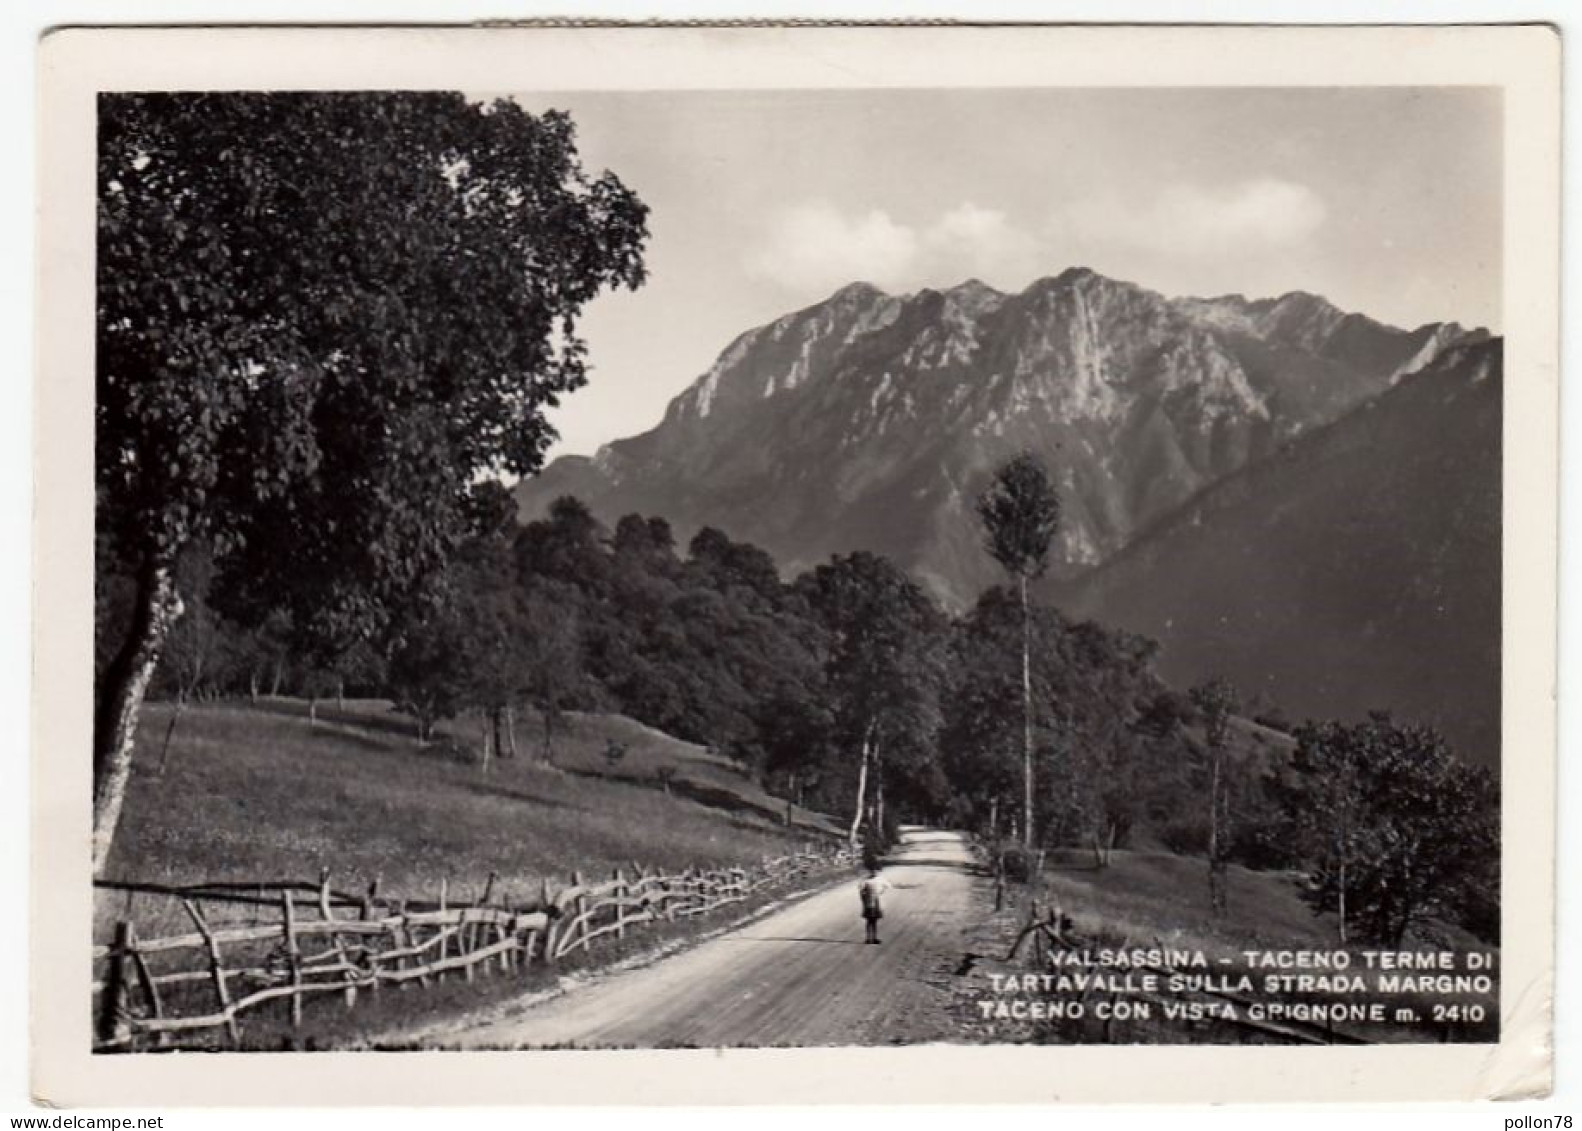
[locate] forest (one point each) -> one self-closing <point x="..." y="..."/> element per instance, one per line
<point x="850" y="691"/>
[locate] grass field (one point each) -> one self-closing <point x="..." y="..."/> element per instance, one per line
<point x="256" y="792"/>
<point x="1143" y="896"/>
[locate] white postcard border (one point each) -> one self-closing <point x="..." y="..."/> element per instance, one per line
<point x="76" y="64"/>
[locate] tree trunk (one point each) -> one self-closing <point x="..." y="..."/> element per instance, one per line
<point x="487" y="734"/>
<point x="1342" y="898"/>
<point x="862" y="788"/>
<point x="994" y="818"/>
<point x="175" y="717"/>
<point x="510" y="732"/>
<point x="1216" y="871"/>
<point x="549" y="736"/>
<point x="252" y="685"/>
<point x="280" y="671"/>
<point x="340" y="693"/>
<point x="125" y="685"/>
<point x="313" y="709"/>
<point x="1027" y="720"/>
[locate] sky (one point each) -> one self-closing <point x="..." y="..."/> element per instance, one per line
<point x="1386" y="201"/>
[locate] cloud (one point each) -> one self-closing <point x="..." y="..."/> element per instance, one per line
<point x="816" y="247"/>
<point x="973" y="241"/>
<point x="1258" y="214"/>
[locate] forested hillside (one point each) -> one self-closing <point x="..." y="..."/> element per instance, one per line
<point x="850" y="691"/>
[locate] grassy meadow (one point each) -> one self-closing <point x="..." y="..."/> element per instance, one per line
<point x="256" y="792"/>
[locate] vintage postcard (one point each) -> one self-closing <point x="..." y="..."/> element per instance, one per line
<point x="808" y="564"/>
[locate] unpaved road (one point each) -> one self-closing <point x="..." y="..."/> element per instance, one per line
<point x="800" y="976"/>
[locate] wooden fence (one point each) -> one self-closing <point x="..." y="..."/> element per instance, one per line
<point x="152" y="992"/>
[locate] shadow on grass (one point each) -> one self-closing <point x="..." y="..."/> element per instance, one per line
<point x="383" y="731"/>
<point x="711" y="796"/>
<point x="379" y="721"/>
<point x="496" y="789"/>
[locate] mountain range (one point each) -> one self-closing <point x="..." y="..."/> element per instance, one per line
<point x="872" y="421"/>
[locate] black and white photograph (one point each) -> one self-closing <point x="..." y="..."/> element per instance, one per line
<point x="775" y="566"/>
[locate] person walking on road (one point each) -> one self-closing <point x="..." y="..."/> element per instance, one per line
<point x="872" y="891"/>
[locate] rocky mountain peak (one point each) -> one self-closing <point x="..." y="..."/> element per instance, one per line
<point x="973" y="297"/>
<point x="854" y="294"/>
<point x="870" y="421"/>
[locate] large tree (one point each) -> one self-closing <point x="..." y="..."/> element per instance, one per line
<point x="1394" y="830"/>
<point x="883" y="667"/>
<point x="322" y="320"/>
<point x="1020" y="512"/>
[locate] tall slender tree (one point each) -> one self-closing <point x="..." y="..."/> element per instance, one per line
<point x="1216" y="700"/>
<point x="1020" y="513"/>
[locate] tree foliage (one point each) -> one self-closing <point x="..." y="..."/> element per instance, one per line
<point x="322" y="318"/>
<point x="1395" y="831"/>
<point x="1020" y="513"/>
<point x="1092" y="770"/>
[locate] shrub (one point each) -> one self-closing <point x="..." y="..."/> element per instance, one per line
<point x="1185" y="834"/>
<point x="1016" y="864"/>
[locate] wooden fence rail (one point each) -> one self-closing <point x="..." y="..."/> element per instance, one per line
<point x="149" y="992"/>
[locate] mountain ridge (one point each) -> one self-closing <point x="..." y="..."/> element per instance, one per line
<point x="870" y="420"/>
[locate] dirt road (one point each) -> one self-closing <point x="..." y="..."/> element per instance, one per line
<point x="800" y="976"/>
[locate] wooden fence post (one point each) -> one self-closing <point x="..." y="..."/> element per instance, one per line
<point x="327" y="911"/>
<point x="444" y="941"/>
<point x="222" y="992"/>
<point x="552" y="927"/>
<point x="145" y="978"/>
<point x="408" y="941"/>
<point x="475" y="936"/>
<point x="114" y="1021"/>
<point x="620" y="904"/>
<point x="582" y="907"/>
<point x="367" y="914"/>
<point x="288" y="927"/>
